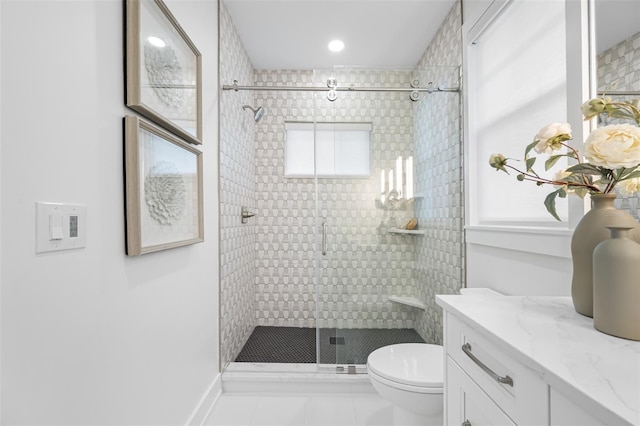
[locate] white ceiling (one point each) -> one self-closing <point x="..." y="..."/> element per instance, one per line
<point x="293" y="34"/>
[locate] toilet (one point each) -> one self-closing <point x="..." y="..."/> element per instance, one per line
<point x="410" y="376"/>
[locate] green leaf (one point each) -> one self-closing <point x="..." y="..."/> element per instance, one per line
<point x="632" y="175"/>
<point x="589" y="179"/>
<point x="530" y="162"/>
<point x="551" y="161"/>
<point x="621" y="114"/>
<point x="562" y="193"/>
<point x="520" y="177"/>
<point x="529" y="148"/>
<point x="623" y="172"/>
<point x="574" y="178"/>
<point x="588" y="169"/>
<point x="581" y="192"/>
<point x="550" y="204"/>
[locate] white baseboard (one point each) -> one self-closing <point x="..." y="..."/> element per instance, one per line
<point x="291" y="378"/>
<point x="206" y="403"/>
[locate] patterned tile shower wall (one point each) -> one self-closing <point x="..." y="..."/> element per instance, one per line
<point x="284" y="282"/>
<point x="364" y="264"/>
<point x="439" y="165"/>
<point x="619" y="69"/>
<point x="267" y="266"/>
<point x="619" y="66"/>
<point x="237" y="189"/>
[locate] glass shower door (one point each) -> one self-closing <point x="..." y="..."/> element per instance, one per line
<point x="359" y="138"/>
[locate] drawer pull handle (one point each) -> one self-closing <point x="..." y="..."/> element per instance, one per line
<point x="466" y="348"/>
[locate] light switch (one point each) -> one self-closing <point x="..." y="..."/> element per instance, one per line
<point x="60" y="226"/>
<point x="55" y="227"/>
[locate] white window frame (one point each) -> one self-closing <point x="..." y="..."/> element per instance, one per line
<point x="313" y="127"/>
<point x="524" y="236"/>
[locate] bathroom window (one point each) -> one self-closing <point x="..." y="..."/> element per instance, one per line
<point x="340" y="149"/>
<point x="517" y="76"/>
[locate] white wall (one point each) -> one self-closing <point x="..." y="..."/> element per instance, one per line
<point x="91" y="336"/>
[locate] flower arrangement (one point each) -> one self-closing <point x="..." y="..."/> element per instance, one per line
<point x="612" y="154"/>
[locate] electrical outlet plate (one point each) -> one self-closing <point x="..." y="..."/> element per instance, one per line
<point x="60" y="226"/>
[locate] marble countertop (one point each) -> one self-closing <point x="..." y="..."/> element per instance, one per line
<point x="549" y="336"/>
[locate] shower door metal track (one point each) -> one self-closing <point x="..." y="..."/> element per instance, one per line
<point x="430" y="89"/>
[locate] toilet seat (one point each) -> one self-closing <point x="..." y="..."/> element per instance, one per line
<point x="417" y="367"/>
<point x="402" y="387"/>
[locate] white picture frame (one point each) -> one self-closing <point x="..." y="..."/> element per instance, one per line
<point x="163" y="184"/>
<point x="164" y="70"/>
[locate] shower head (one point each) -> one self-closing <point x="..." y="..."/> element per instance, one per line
<point x="257" y="112"/>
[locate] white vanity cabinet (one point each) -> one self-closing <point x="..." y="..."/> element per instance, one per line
<point x="466" y="400"/>
<point x="495" y="389"/>
<point x="514" y="360"/>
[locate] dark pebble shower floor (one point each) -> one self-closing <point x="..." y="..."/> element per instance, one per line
<point x="337" y="346"/>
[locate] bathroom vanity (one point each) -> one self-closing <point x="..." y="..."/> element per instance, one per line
<point x="534" y="361"/>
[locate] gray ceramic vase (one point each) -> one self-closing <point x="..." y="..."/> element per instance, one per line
<point x="590" y="232"/>
<point x="616" y="285"/>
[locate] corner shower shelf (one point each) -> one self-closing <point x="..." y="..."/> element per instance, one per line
<point x="408" y="300"/>
<point x="406" y="231"/>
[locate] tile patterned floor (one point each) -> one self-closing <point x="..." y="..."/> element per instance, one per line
<point x="298" y="345"/>
<point x="243" y="409"/>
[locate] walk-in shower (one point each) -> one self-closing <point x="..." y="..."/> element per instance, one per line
<point x="332" y="266"/>
<point x="329" y="272"/>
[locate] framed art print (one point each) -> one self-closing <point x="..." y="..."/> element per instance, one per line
<point x="163" y="176"/>
<point x="164" y="70"/>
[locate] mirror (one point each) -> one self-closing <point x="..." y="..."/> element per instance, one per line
<point x="617" y="39"/>
<point x="617" y="49"/>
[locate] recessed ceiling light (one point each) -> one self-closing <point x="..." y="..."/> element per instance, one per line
<point x="156" y="41"/>
<point x="336" y="45"/>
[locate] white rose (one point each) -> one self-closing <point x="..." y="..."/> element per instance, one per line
<point x="629" y="186"/>
<point x="549" y="137"/>
<point x="614" y="146"/>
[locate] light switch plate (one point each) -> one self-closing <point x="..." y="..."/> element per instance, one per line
<point x="74" y="226"/>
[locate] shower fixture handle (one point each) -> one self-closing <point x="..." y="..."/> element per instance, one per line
<point x="324" y="237"/>
<point x="246" y="214"/>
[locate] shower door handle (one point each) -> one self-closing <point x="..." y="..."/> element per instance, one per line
<point x="324" y="238"/>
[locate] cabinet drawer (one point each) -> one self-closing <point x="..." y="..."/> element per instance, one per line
<point x="469" y="404"/>
<point x="519" y="391"/>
